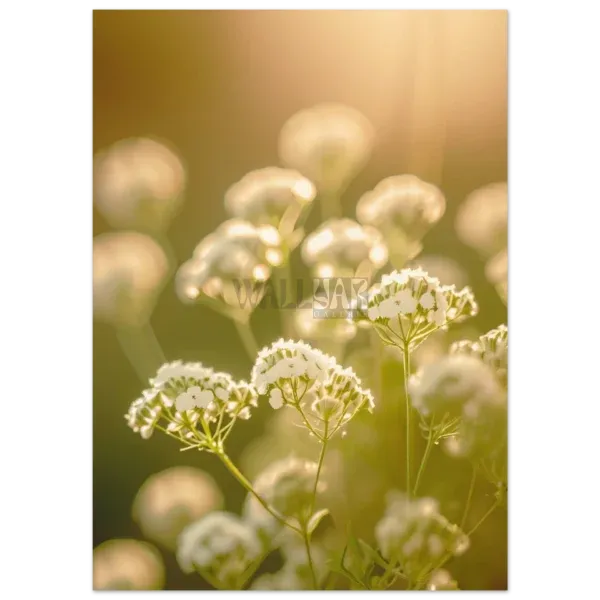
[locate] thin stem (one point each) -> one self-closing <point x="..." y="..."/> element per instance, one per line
<point x="319" y="467"/>
<point x="487" y="514"/>
<point x="249" y="342"/>
<point x="469" y="497"/>
<point x="428" y="448"/>
<point x="406" y="364"/>
<point x="142" y="349"/>
<point x="248" y="486"/>
<point x="309" y="557"/>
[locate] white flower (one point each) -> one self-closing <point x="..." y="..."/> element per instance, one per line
<point x="328" y="143"/>
<point x="231" y="265"/>
<point x="343" y="248"/>
<point x="129" y="272"/>
<point x="270" y="196"/>
<point x="138" y="184"/>
<point x="297" y="375"/>
<point x="403" y="208"/>
<point x="170" y="500"/>
<point x="220" y="544"/>
<point x="124" y="564"/>
<point x="413" y="534"/>
<point x="408" y="306"/>
<point x="196" y="392"/>
<point x="194" y="397"/>
<point x="441" y="579"/>
<point x="482" y="219"/>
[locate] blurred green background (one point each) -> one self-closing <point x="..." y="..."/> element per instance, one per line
<point x="218" y="85"/>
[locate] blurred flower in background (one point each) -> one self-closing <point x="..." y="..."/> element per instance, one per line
<point x="482" y="219"/>
<point x="272" y="196"/>
<point x="343" y="248"/>
<point x="329" y="143"/>
<point x="138" y="184"/>
<point x="129" y="272"/>
<point x="403" y="208"/>
<point x="447" y="270"/>
<point x="170" y="500"/>
<point x="128" y="565"/>
<point x="496" y="271"/>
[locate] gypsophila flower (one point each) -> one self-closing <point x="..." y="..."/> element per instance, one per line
<point x="297" y="375"/>
<point x="237" y="252"/>
<point x="403" y="208"/>
<point x="343" y="248"/>
<point x="287" y="485"/>
<point x="441" y="579"/>
<point x="125" y="564"/>
<point x="413" y="534"/>
<point x="185" y="395"/>
<point x="138" y="183"/>
<point x="220" y="545"/>
<point x="271" y="196"/>
<point x="407" y="306"/>
<point x="327" y="143"/>
<point x="482" y="219"/>
<point x="458" y="385"/>
<point x="491" y="348"/>
<point x="129" y="272"/>
<point x="170" y="500"/>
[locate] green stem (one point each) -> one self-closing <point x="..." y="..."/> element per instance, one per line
<point x="142" y="349"/>
<point x="425" y="458"/>
<point x="249" y="342"/>
<point x="311" y="565"/>
<point x="469" y="497"/>
<point x="406" y="364"/>
<point x="248" y="486"/>
<point x="319" y="467"/>
<point x="487" y="514"/>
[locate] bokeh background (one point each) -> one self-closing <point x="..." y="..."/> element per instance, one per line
<point x="218" y="86"/>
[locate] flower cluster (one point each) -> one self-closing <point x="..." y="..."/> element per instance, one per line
<point x="287" y="485"/>
<point x="496" y="272"/>
<point x="491" y="348"/>
<point x="343" y="248"/>
<point x="440" y="580"/>
<point x="236" y="252"/>
<point x="295" y="374"/>
<point x="328" y="143"/>
<point x="185" y="395"/>
<point x="403" y="208"/>
<point x="220" y="546"/>
<point x="408" y="305"/>
<point x="413" y="534"/>
<point x="138" y="183"/>
<point x="271" y="196"/>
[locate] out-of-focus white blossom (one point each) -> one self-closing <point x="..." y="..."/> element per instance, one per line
<point x="297" y="375"/>
<point x="458" y="385"/>
<point x="491" y="348"/>
<point x="328" y="143"/>
<point x="236" y="253"/>
<point x="496" y="272"/>
<point x="125" y="564"/>
<point x="403" y="208"/>
<point x="129" y="272"/>
<point x="440" y="580"/>
<point x="447" y="270"/>
<point x="170" y="500"/>
<point x="407" y="306"/>
<point x="220" y="545"/>
<point x="138" y="183"/>
<point x="413" y="534"/>
<point x="271" y="196"/>
<point x="343" y="248"/>
<point x="287" y="485"/>
<point x="482" y="219"/>
<point x="309" y="327"/>
<point x="160" y="405"/>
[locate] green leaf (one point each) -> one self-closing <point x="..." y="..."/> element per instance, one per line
<point x="314" y="521"/>
<point x="373" y="555"/>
